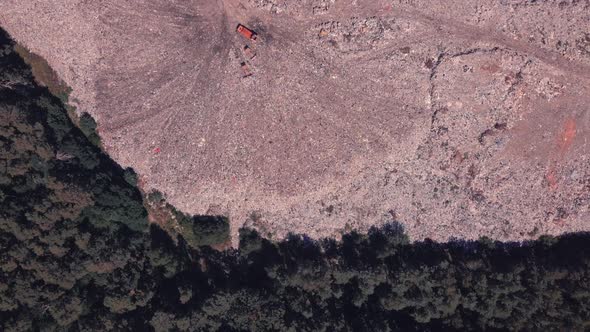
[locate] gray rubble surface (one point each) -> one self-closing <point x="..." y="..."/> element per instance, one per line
<point x="459" y="119"/>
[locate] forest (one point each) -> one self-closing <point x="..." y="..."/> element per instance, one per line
<point x="78" y="252"/>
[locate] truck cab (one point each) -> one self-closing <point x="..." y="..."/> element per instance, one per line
<point x="246" y="32"/>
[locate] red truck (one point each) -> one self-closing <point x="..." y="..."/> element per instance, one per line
<point x="246" y="32"/>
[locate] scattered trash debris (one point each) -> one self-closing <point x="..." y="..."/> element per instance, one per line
<point x="157" y="150"/>
<point x="246" y="72"/>
<point x="249" y="53"/>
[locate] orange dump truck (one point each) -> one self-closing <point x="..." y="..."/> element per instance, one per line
<point x="246" y="32"/>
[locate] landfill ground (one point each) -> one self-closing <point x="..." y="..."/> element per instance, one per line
<point x="458" y="119"/>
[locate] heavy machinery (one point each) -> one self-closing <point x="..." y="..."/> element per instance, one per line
<point x="246" y="71"/>
<point x="246" y="32"/>
<point x="249" y="53"/>
<point x="247" y="50"/>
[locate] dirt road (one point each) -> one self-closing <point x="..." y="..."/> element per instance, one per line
<point x="460" y="119"/>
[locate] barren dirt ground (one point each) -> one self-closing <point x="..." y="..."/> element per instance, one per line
<point x="458" y="119"/>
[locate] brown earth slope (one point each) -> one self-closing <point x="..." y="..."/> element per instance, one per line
<point x="461" y="119"/>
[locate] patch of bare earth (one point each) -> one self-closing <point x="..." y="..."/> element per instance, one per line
<point x="459" y="119"/>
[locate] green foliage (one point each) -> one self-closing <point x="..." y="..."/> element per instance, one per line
<point x="88" y="127"/>
<point x="201" y="231"/>
<point x="205" y="230"/>
<point x="44" y="75"/>
<point x="197" y="231"/>
<point x="130" y="176"/>
<point x="155" y="196"/>
<point x="250" y="241"/>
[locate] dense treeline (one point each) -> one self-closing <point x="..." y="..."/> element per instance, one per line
<point x="77" y="253"/>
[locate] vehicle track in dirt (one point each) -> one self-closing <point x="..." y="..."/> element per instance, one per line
<point x="444" y="116"/>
